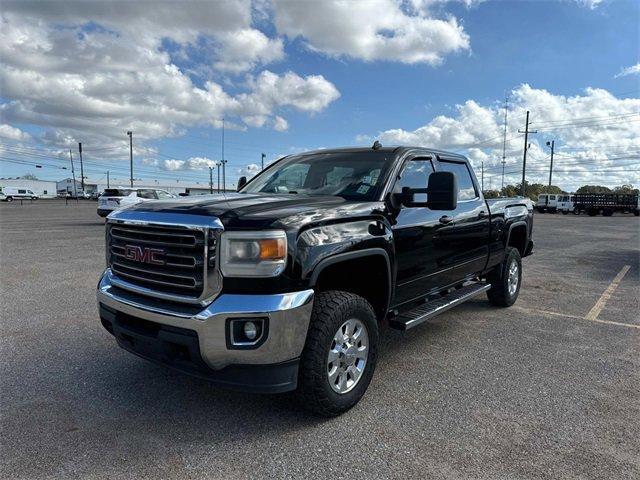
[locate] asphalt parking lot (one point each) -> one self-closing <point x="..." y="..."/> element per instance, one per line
<point x="549" y="388"/>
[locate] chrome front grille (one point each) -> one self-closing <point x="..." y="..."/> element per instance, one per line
<point x="174" y="262"/>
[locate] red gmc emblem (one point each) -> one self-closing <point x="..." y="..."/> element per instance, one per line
<point x="136" y="253"/>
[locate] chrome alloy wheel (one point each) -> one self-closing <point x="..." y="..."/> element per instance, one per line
<point x="513" y="277"/>
<point x="347" y="356"/>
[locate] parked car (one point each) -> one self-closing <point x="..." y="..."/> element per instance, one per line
<point x="116" y="198"/>
<point x="547" y="203"/>
<point x="12" y="194"/>
<point x="282" y="285"/>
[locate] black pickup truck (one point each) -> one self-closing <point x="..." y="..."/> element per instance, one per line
<point x="283" y="285"/>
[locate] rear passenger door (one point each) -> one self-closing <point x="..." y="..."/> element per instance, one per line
<point x="469" y="235"/>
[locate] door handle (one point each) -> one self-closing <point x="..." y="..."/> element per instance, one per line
<point x="446" y="219"/>
<point x="482" y="214"/>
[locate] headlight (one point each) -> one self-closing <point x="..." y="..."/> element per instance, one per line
<point x="253" y="254"/>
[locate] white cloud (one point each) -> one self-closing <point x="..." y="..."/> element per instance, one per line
<point x="591" y="4"/>
<point x="371" y="30"/>
<point x="93" y="84"/>
<point x="193" y="163"/>
<point x="13" y="133"/>
<point x="632" y="70"/>
<point x="592" y="131"/>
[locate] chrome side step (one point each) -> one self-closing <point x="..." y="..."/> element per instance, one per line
<point x="427" y="310"/>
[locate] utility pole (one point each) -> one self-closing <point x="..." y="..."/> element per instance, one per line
<point x="504" y="138"/>
<point x="210" y="179"/>
<point x="262" y="162"/>
<point x="551" y="144"/>
<point x="130" y="133"/>
<point x="218" y="165"/>
<point x="81" y="169"/>
<point x="482" y="176"/>
<point x="524" y="155"/>
<point x="73" y="174"/>
<point x="107" y="178"/>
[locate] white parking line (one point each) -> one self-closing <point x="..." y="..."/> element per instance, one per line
<point x="597" y="308"/>
<point x="574" y="317"/>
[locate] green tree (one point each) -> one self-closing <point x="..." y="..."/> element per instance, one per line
<point x="626" y="189"/>
<point x="29" y="176"/>
<point x="491" y="193"/>
<point x="593" y="189"/>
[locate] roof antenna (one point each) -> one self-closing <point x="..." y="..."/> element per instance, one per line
<point x="376" y="145"/>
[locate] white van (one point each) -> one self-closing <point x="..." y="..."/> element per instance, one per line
<point x="11" y="194"/>
<point x="117" y="198"/>
<point x="547" y="202"/>
<point x="566" y="203"/>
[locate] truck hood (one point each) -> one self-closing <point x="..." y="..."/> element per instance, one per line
<point x="254" y="211"/>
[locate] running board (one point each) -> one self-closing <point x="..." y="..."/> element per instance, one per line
<point x="427" y="310"/>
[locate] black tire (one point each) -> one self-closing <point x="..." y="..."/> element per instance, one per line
<point x="636" y="212"/>
<point x="330" y="310"/>
<point x="499" y="293"/>
<point x="576" y="212"/>
<point x="565" y="212"/>
<point x="9" y="199"/>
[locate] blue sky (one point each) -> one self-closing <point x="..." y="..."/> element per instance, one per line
<point x="318" y="93"/>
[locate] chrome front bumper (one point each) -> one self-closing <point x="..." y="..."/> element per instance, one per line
<point x="288" y="317"/>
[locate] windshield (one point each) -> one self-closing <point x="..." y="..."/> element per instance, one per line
<point x="351" y="175"/>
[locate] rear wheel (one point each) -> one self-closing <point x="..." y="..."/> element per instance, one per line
<point x="506" y="279"/>
<point x="9" y="199"/>
<point x="340" y="353"/>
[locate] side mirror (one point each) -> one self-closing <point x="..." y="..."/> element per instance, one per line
<point x="443" y="191"/>
<point x="242" y="181"/>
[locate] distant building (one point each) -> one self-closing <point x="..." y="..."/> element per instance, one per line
<point x="42" y="188"/>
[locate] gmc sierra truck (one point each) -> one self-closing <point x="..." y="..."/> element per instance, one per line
<point x="282" y="286"/>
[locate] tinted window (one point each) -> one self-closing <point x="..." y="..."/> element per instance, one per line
<point x="466" y="190"/>
<point x="415" y="175"/>
<point x="116" y="192"/>
<point x="22" y="191"/>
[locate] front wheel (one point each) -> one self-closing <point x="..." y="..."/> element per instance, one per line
<point x="340" y="353"/>
<point x="9" y="199"/>
<point x="505" y="280"/>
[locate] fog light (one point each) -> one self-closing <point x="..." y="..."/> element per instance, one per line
<point x="250" y="330"/>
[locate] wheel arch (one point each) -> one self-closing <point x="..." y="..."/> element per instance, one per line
<point x="518" y="236"/>
<point x="338" y="271"/>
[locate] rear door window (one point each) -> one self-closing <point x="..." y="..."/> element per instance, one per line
<point x="147" y="194"/>
<point x="466" y="188"/>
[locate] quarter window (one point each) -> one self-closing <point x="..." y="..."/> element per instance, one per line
<point x="466" y="189"/>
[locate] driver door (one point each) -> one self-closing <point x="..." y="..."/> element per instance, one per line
<point x="420" y="238"/>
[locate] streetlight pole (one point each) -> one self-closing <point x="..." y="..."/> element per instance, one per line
<point x="262" y="162"/>
<point x="130" y="133"/>
<point x="210" y="179"/>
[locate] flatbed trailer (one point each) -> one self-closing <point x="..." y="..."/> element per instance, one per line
<point x="605" y="203"/>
